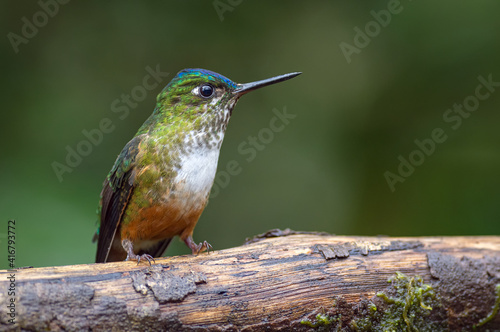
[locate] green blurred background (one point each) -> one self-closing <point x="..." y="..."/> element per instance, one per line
<point x="324" y="172"/>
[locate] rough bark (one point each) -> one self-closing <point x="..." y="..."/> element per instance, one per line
<point x="281" y="280"/>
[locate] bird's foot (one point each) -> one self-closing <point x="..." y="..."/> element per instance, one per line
<point x="134" y="257"/>
<point x="131" y="256"/>
<point x="197" y="248"/>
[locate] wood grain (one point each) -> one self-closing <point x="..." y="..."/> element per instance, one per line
<point x="273" y="283"/>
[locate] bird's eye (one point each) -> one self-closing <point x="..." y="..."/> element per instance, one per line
<point x="207" y="90"/>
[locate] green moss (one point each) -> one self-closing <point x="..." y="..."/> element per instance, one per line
<point x="409" y="302"/>
<point x="385" y="298"/>
<point x="494" y="310"/>
<point x="365" y="323"/>
<point x="323" y="321"/>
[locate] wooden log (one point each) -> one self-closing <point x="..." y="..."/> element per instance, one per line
<point x="280" y="280"/>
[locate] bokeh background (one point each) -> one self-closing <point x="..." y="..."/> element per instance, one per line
<point x="323" y="172"/>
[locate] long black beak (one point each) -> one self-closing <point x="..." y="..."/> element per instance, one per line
<point x="247" y="87"/>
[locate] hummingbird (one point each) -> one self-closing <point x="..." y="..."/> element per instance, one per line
<point x="160" y="182"/>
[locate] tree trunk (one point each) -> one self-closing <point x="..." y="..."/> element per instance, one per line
<point x="280" y="280"/>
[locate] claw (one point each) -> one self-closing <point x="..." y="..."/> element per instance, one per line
<point x="197" y="248"/>
<point x="129" y="248"/>
<point x="208" y="246"/>
<point x="147" y="257"/>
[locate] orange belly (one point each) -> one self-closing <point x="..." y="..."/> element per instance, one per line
<point x="161" y="222"/>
